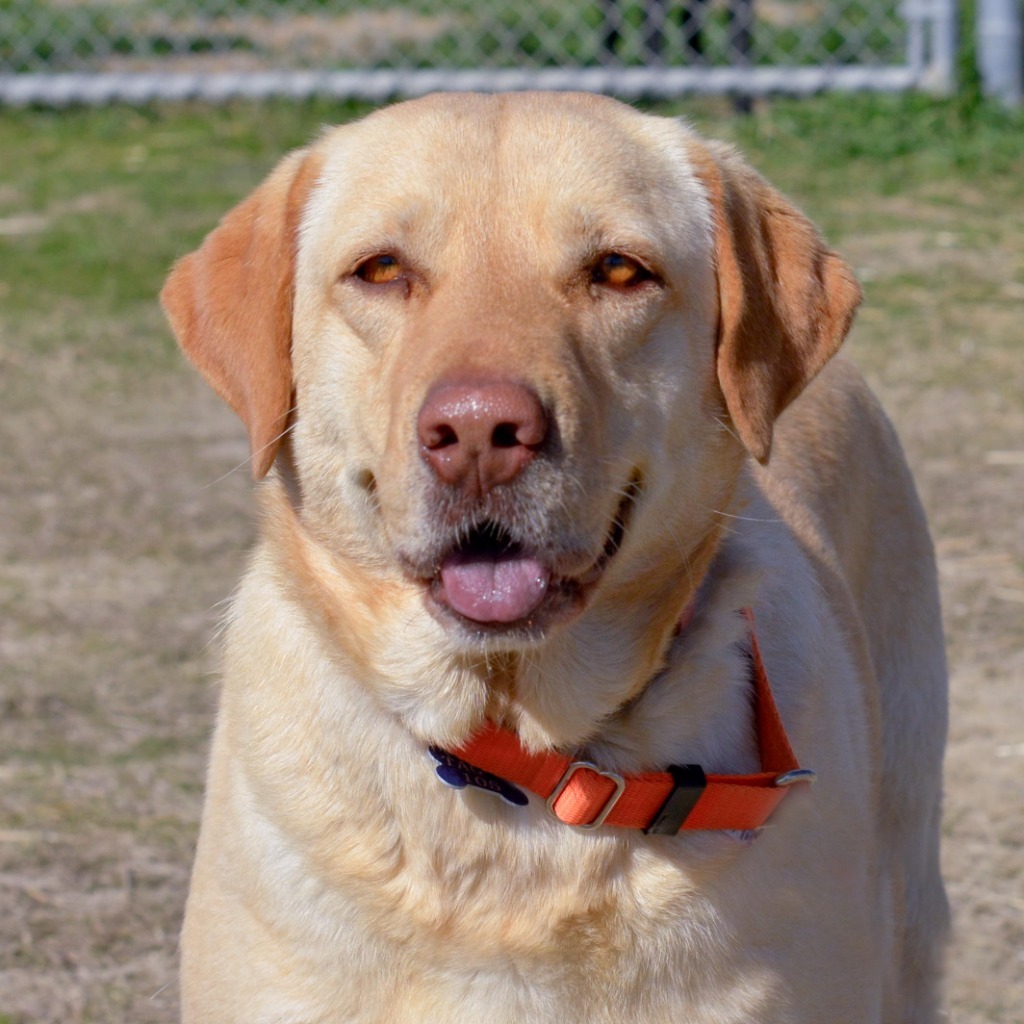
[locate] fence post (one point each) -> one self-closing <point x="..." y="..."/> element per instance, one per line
<point x="941" y="73"/>
<point x="1001" y="49"/>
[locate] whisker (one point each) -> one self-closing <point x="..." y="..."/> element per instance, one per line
<point x="726" y="427"/>
<point x="253" y="455"/>
<point x="746" y="519"/>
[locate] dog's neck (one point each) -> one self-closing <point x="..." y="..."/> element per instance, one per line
<point x="600" y="666"/>
<point x="582" y="686"/>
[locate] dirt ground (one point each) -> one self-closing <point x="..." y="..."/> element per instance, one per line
<point x="122" y="532"/>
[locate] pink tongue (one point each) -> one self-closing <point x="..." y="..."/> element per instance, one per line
<point x="494" y="588"/>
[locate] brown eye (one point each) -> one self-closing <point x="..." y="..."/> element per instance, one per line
<point x="381" y="269"/>
<point x="619" y="271"/>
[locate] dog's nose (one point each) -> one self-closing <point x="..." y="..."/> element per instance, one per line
<point x="477" y="434"/>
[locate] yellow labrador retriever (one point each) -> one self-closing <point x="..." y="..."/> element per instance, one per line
<point x="539" y="651"/>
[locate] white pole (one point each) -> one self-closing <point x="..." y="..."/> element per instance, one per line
<point x="942" y="73"/>
<point x="1001" y="49"/>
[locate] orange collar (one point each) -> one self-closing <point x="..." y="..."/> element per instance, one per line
<point x="585" y="796"/>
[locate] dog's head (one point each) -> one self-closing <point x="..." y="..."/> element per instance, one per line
<point x="523" y="344"/>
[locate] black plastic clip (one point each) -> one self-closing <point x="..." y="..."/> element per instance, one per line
<point x="689" y="782"/>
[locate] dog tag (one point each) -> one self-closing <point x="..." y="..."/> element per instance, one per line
<point x="458" y="774"/>
<point x="744" y="837"/>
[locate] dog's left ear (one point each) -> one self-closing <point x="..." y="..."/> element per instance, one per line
<point x="786" y="301"/>
<point x="230" y="304"/>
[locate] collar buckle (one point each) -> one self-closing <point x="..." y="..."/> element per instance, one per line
<point x="606" y="809"/>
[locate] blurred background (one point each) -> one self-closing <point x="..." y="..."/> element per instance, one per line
<point x="62" y="51"/>
<point x="127" y="127"/>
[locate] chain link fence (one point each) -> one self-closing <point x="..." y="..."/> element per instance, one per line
<point x="63" y="51"/>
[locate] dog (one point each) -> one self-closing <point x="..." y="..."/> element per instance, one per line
<point x="580" y="558"/>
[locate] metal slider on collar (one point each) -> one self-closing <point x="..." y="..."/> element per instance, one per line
<point x="598" y="821"/>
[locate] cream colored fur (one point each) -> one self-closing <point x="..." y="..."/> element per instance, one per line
<point x="336" y="880"/>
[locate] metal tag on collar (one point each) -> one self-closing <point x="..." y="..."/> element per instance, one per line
<point x="796" y="775"/>
<point x="459" y="774"/>
<point x="598" y="821"/>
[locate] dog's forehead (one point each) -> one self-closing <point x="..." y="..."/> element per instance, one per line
<point x="522" y="137"/>
<point x="507" y="161"/>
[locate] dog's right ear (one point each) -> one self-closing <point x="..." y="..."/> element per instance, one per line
<point x="230" y="304"/>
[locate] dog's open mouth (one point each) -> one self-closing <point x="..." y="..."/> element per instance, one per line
<point x="491" y="580"/>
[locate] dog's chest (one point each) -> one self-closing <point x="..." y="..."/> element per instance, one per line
<point x="524" y="929"/>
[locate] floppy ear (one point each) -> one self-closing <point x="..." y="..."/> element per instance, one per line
<point x="786" y="301"/>
<point x="230" y="304"/>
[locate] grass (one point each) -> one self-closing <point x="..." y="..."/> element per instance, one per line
<point x="120" y="538"/>
<point x="96" y="182"/>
